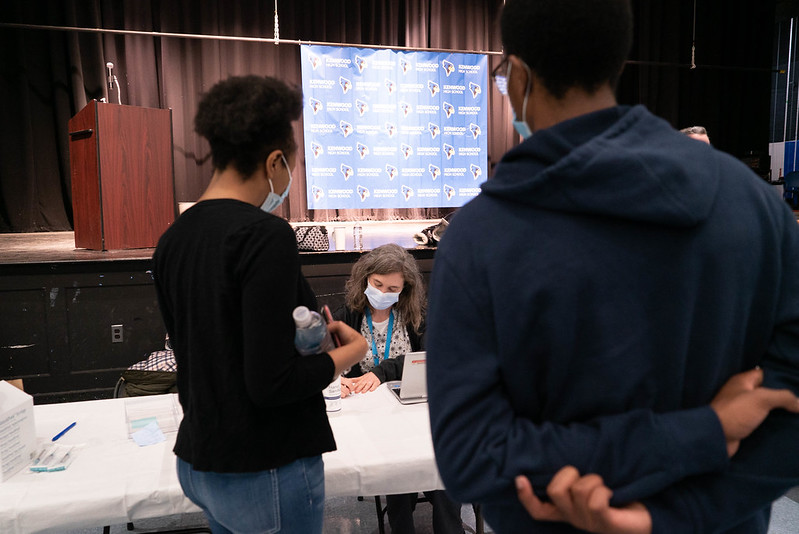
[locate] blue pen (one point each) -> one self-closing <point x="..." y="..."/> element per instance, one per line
<point x="64" y="431"/>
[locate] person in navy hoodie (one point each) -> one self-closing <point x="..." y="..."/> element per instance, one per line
<point x="615" y="313"/>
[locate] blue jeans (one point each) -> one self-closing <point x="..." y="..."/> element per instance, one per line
<point x="289" y="499"/>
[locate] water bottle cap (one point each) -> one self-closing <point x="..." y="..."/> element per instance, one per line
<point x="302" y="316"/>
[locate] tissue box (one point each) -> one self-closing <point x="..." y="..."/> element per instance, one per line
<point x="17" y="430"/>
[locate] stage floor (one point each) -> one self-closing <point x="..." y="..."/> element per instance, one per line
<point x="59" y="247"/>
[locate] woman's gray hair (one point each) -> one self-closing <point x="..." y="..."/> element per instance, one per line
<point x="387" y="259"/>
<point x="697" y="130"/>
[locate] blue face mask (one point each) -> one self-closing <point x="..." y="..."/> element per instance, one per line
<point x="378" y="299"/>
<point x="521" y="126"/>
<point x="273" y="200"/>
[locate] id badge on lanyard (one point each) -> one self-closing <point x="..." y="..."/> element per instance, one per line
<point x="372" y="333"/>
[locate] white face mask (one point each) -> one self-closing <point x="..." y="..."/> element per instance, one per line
<point x="378" y="299"/>
<point x="273" y="200"/>
<point x="521" y="126"/>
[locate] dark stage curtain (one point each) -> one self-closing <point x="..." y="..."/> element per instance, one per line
<point x="729" y="91"/>
<point x="48" y="76"/>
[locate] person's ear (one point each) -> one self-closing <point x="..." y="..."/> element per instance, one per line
<point x="520" y="77"/>
<point x="519" y="83"/>
<point x="274" y="163"/>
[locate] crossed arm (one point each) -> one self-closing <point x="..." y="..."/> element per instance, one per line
<point x="679" y="475"/>
<point x="756" y="410"/>
<point x="584" y="500"/>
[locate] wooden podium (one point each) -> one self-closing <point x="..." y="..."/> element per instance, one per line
<point x="123" y="186"/>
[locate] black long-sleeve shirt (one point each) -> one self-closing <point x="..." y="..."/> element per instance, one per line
<point x="228" y="277"/>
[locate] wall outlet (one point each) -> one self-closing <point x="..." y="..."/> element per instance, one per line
<point x="116" y="333"/>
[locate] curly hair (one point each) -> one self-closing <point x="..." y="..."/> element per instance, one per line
<point x="245" y="118"/>
<point x="387" y="259"/>
<point x="569" y="43"/>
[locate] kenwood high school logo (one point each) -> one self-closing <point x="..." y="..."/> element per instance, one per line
<point x="433" y="129"/>
<point x="347" y="171"/>
<point x="346" y="128"/>
<point x="406" y="108"/>
<point x="477" y="172"/>
<point x="391" y="171"/>
<point x="406" y="150"/>
<point x="475" y="129"/>
<point x="362" y="149"/>
<point x="363" y="193"/>
<point x="474" y="89"/>
<point x="390" y="129"/>
<point x="360" y="63"/>
<point x="435" y="172"/>
<point x="316" y="105"/>
<point x="314" y="60"/>
<point x="361" y="106"/>
<point x="317" y="150"/>
<point x="449" y="68"/>
<point x="317" y="193"/>
<point x="449" y="191"/>
<point x="405" y="65"/>
<point x="449" y="150"/>
<point x="433" y="86"/>
<point x="448" y="108"/>
<point x="390" y="86"/>
<point x="407" y="192"/>
<point x="345" y="84"/>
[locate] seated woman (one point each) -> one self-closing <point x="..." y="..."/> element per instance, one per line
<point x="385" y="302"/>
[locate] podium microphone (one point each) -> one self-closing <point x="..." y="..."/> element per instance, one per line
<point x="109" y="75"/>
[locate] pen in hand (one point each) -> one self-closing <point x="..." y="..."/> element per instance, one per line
<point x="64" y="431"/>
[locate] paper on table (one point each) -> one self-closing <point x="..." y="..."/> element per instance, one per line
<point x="149" y="435"/>
<point x="163" y="409"/>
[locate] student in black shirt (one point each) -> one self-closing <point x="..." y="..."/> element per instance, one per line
<point x="228" y="277"/>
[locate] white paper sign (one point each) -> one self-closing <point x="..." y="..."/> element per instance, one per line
<point x="17" y="430"/>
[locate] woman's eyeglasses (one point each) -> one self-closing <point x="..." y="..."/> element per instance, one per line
<point x="500" y="76"/>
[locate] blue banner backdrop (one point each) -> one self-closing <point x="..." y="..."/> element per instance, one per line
<point x="393" y="129"/>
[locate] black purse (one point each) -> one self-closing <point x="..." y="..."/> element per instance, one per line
<point x="431" y="235"/>
<point x="312" y="238"/>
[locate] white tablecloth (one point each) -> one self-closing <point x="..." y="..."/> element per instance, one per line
<point x="383" y="447"/>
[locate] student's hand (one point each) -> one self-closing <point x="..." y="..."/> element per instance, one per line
<point x="584" y="502"/>
<point x="352" y="349"/>
<point x="345" y="333"/>
<point x="347" y="387"/>
<point x="741" y="405"/>
<point x="366" y="383"/>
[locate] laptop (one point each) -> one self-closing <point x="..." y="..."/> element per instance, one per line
<point x="412" y="389"/>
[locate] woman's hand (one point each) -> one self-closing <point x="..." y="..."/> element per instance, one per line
<point x="352" y="349"/>
<point x="347" y="387"/>
<point x="365" y="383"/>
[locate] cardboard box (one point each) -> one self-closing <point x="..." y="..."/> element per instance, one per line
<point x="17" y="430"/>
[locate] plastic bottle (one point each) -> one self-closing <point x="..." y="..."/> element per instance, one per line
<point x="312" y="337"/>
<point x="357" y="236"/>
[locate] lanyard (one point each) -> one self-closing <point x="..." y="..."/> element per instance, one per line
<point x="372" y="333"/>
